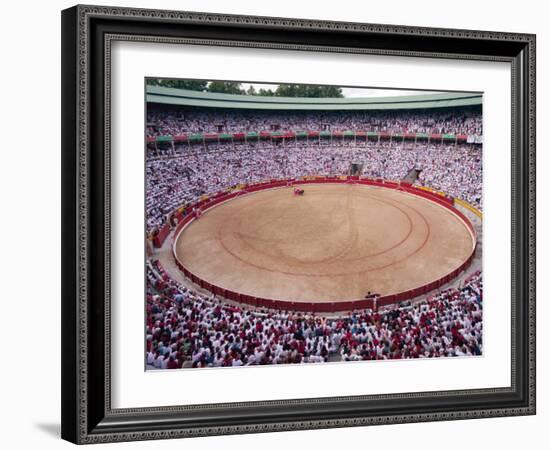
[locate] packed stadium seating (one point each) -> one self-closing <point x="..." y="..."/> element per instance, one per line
<point x="176" y="121"/>
<point x="186" y="328"/>
<point x="173" y="181"/>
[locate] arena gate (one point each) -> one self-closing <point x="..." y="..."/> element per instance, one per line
<point x="356" y="168"/>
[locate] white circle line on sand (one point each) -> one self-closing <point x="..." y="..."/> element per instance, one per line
<point x="267" y="188"/>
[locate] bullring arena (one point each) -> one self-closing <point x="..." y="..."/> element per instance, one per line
<point x="337" y="243"/>
<point x="291" y="230"/>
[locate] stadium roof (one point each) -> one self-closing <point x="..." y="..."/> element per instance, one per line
<point x="182" y="97"/>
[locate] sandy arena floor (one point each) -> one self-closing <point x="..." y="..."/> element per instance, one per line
<point x="337" y="242"/>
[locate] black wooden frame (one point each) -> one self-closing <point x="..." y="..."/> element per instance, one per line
<point x="87" y="31"/>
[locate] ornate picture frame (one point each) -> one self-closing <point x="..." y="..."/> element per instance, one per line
<point x="87" y="35"/>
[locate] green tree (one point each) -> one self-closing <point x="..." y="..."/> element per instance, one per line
<point x="225" y="87"/>
<point x="311" y="91"/>
<point x="231" y="87"/>
<point x="266" y="92"/>
<point x="192" y="85"/>
<point x="330" y="91"/>
<point x="289" y="90"/>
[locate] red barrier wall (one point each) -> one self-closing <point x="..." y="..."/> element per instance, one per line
<point x="349" y="305"/>
<point x="161" y="236"/>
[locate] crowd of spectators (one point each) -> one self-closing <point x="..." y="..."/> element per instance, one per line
<point x="177" y="121"/>
<point x="189" y="329"/>
<point x="194" y="170"/>
<point x="455" y="170"/>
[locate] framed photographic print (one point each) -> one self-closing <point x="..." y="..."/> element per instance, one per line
<point x="281" y="224"/>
